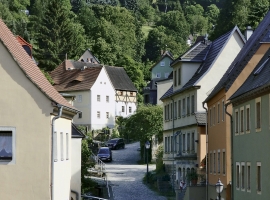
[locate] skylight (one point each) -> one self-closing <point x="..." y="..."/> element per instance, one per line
<point x="261" y="67"/>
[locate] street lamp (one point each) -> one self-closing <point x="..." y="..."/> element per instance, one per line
<point x="219" y="188"/>
<point x="147" y="146"/>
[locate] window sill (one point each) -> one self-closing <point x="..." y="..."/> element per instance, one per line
<point x="258" y="130"/>
<point x="243" y="189"/>
<point x="259" y="192"/>
<point x="183" y="115"/>
<point x="236" y="133"/>
<point x="247" y="131"/>
<point x="248" y="190"/>
<point x="242" y="133"/>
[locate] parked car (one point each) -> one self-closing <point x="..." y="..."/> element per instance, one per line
<point x="105" y="154"/>
<point x="116" y="143"/>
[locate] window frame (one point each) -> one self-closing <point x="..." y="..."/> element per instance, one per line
<point x="223" y="162"/>
<point x="218" y="161"/>
<point x="107" y="99"/>
<point x="218" y="112"/>
<point x="241" y="120"/>
<point x="247" y="119"/>
<point x="107" y="115"/>
<point x="248" y="176"/>
<point x="243" y="170"/>
<point x="130" y="109"/>
<point x="179" y="108"/>
<point x="258" y="114"/>
<point x="13" y="143"/>
<point x="162" y="64"/>
<point x="98" y="98"/>
<point x="259" y="178"/>
<point x="179" y="76"/>
<point x="123" y="109"/>
<point x="98" y="114"/>
<point x="79" y="98"/>
<point x="236" y="122"/>
<point x="238" y="175"/>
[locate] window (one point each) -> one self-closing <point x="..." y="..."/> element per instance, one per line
<point x="259" y="186"/>
<point x="237" y="175"/>
<point x="192" y="141"/>
<point x="67" y="146"/>
<point x="210" y="117"/>
<point x="162" y="64"/>
<point x="172" y="147"/>
<point x="242" y="120"/>
<point x="184" y="142"/>
<point x="107" y="98"/>
<point x="179" y="76"/>
<point x="211" y="163"/>
<point x="179" y="108"/>
<point x="175" y="110"/>
<point x="184" y="107"/>
<point x="248" y="118"/>
<point x="121" y="93"/>
<point x="129" y="109"/>
<point x="248" y="176"/>
<point x="171" y="110"/>
<point x="223" y="162"/>
<point x="242" y="176"/>
<point x="98" y="114"/>
<point x="218" y="161"/>
<point x="258" y="114"/>
<point x="79" y="98"/>
<point x="165" y="148"/>
<point x="174" y="78"/>
<point x="80" y="115"/>
<point x="188" y="142"/>
<point x="167" y="75"/>
<point x="192" y="104"/>
<point x="158" y="75"/>
<point x="131" y="93"/>
<point x="6" y="145"/>
<point x="123" y="108"/>
<point x="169" y="144"/>
<point x="223" y="111"/>
<point x="98" y="97"/>
<point x="107" y="115"/>
<point x="62" y="145"/>
<point x="214" y="162"/>
<point x="214" y="115"/>
<point x="236" y="122"/>
<point x="188" y="106"/>
<point x="55" y="151"/>
<point x="218" y="110"/>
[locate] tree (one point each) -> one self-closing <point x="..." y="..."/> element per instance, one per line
<point x="60" y="35"/>
<point x="212" y="13"/>
<point x="258" y="9"/>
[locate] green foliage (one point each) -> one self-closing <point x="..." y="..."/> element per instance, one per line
<point x="192" y="175"/>
<point x="47" y="75"/>
<point x="145" y="123"/>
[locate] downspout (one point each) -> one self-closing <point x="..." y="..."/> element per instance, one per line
<point x="206" y="157"/>
<point x="232" y="168"/>
<point x="173" y="142"/>
<point x="77" y="194"/>
<point x="60" y="109"/>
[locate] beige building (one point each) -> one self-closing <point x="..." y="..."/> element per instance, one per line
<point x="35" y="129"/>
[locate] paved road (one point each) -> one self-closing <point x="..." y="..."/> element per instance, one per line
<point x="125" y="175"/>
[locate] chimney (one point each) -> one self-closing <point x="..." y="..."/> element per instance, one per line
<point x="248" y="32"/>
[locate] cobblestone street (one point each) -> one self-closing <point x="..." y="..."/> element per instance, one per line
<point x="125" y="175"/>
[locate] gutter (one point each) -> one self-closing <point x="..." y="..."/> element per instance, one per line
<point x="60" y="109"/>
<point x="232" y="168"/>
<point x="206" y="157"/>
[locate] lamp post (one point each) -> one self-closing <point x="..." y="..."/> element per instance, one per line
<point x="219" y="188"/>
<point x="147" y="146"/>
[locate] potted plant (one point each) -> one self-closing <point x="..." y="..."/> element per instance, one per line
<point x="193" y="177"/>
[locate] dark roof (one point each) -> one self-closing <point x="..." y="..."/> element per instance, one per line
<point x="76" y="78"/>
<point x="76" y="133"/>
<point x="29" y="68"/>
<point x="196" y="53"/>
<point x="259" y="78"/>
<point x="261" y="34"/>
<point x="213" y="51"/>
<point x="120" y="79"/>
<point x="200" y="118"/>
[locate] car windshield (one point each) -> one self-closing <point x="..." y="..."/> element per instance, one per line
<point x="103" y="151"/>
<point x="112" y="141"/>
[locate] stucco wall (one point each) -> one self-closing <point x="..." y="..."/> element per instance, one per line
<point x="162" y="88"/>
<point x="26" y="109"/>
<point x="162" y="69"/>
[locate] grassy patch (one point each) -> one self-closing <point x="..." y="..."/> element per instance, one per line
<point x="146" y="29"/>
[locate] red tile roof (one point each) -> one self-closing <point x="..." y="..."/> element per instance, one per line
<point x="75" y="79"/>
<point x="28" y="66"/>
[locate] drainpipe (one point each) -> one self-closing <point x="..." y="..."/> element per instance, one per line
<point x="60" y="109"/>
<point x="206" y="157"/>
<point x="173" y="141"/>
<point x="77" y="194"/>
<point x="232" y="168"/>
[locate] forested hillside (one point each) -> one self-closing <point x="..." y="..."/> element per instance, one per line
<point x="126" y="33"/>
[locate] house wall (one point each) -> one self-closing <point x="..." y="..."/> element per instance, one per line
<point x="27" y="110"/>
<point x="128" y="100"/>
<point x="162" y="69"/>
<point x="250" y="148"/>
<point x="162" y="88"/>
<point x="62" y="159"/>
<point x="75" y="183"/>
<point x="218" y="68"/>
<point x="86" y="55"/>
<point x="102" y="87"/>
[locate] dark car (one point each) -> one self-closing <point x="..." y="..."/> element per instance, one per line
<point x="116" y="143"/>
<point x="105" y="154"/>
